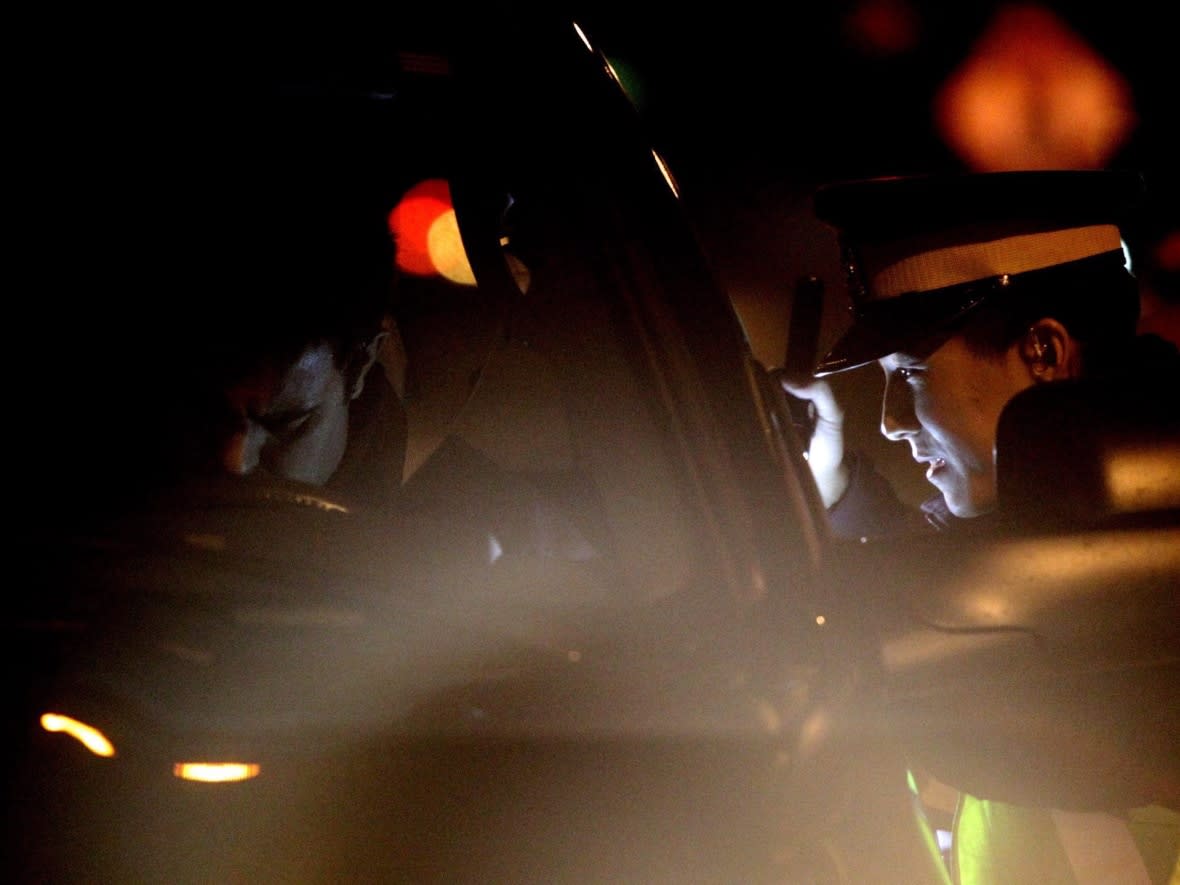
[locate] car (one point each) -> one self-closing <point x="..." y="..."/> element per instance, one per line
<point x="255" y="679"/>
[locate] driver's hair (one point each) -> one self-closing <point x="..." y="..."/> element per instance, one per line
<point x="322" y="274"/>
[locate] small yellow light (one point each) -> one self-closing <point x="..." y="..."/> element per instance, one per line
<point x="89" y="736"/>
<point x="582" y="34"/>
<point x="669" y="178"/>
<point x="216" y="772"/>
<point x="821" y="620"/>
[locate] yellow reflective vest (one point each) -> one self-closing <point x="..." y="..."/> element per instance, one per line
<point x="994" y="843"/>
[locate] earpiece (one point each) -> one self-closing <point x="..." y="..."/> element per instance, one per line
<point x="1043" y="350"/>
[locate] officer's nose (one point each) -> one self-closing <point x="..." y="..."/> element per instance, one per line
<point x="898" y="421"/>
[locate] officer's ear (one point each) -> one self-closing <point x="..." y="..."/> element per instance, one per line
<point x="1049" y="351"/>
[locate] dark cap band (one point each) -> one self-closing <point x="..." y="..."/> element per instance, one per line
<point x="904" y="322"/>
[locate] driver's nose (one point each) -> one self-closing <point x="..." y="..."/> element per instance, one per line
<point x="242" y="450"/>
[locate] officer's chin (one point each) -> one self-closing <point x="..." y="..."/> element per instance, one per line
<point x="968" y="504"/>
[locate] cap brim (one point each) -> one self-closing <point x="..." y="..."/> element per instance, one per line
<point x="903" y="323"/>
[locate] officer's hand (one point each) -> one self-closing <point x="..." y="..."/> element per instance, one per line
<point x="825" y="452"/>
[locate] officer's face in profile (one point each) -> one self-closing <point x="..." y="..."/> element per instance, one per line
<point x="946" y="404"/>
<point x="289" y="420"/>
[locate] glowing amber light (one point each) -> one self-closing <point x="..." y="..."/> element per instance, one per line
<point x="216" y="772"/>
<point x="446" y="249"/>
<point x="1034" y="95"/>
<point x="1139" y="480"/>
<point x="89" y="736"/>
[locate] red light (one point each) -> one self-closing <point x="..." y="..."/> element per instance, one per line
<point x="410" y="222"/>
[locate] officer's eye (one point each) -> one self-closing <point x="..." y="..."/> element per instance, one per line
<point x="908" y="373"/>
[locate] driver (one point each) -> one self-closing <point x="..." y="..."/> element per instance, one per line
<point x="302" y="365"/>
<point x="331" y="369"/>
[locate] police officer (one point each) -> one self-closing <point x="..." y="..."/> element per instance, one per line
<point x="968" y="290"/>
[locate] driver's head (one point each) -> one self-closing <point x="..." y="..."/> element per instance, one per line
<point x="289" y="417"/>
<point x="296" y="332"/>
<point x="968" y="289"/>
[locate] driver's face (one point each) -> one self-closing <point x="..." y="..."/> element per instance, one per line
<point x="291" y="421"/>
<point x="947" y="405"/>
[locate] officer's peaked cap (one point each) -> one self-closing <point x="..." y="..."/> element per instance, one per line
<point x="921" y="252"/>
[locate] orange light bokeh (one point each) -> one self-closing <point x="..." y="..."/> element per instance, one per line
<point x="1034" y="95"/>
